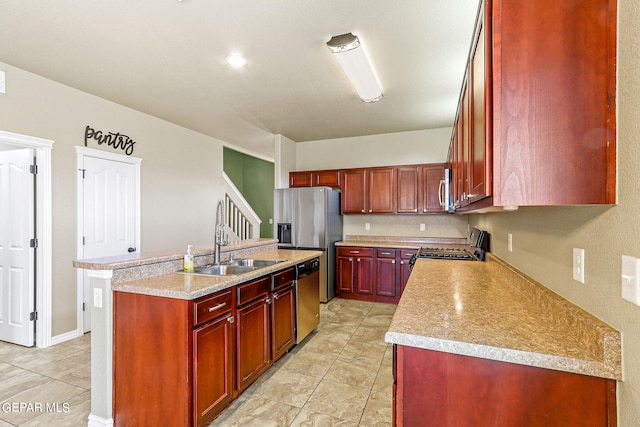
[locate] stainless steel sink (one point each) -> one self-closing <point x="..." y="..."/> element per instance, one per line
<point x="224" y="270"/>
<point x="255" y="262"/>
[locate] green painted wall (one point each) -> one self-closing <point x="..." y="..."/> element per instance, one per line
<point x="255" y="180"/>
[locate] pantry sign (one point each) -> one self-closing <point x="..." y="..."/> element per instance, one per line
<point x="116" y="140"/>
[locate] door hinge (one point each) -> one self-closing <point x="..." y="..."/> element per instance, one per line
<point x="33" y="243"/>
<point x="84" y="240"/>
<point x="33" y="169"/>
<point x="33" y="316"/>
<point x="83" y="171"/>
<point x="84" y="306"/>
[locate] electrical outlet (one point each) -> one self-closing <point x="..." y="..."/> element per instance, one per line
<point x="423" y="227"/>
<point x="578" y="265"/>
<point x="510" y="242"/>
<point x="97" y="297"/>
<point x="367" y="226"/>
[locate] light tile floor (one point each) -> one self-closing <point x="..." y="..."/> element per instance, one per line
<point x="46" y="386"/>
<point x="339" y="376"/>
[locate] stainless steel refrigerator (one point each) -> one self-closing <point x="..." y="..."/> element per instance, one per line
<point x="309" y="218"/>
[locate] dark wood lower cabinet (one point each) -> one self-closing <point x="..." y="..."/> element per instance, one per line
<point x="213" y="371"/>
<point x="181" y="362"/>
<point x="433" y="388"/>
<point x="254" y="341"/>
<point x="372" y="274"/>
<point x="283" y="321"/>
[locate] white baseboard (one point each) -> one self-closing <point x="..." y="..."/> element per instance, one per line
<point x="95" y="421"/>
<point x="65" y="337"/>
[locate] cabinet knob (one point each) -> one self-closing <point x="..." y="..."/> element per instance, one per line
<point x="358" y="260"/>
<point x="276" y="296"/>
<point x="362" y="211"/>
<point x="268" y="300"/>
<point x="231" y="319"/>
<point x="393" y="261"/>
<point x="401" y="262"/>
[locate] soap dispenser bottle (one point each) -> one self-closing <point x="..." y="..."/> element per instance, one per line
<point x="188" y="260"/>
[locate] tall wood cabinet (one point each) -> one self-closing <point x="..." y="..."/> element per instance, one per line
<point x="536" y="122"/>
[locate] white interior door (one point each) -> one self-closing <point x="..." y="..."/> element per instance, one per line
<point x="17" y="257"/>
<point x="109" y="213"/>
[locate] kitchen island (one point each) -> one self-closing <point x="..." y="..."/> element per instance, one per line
<point x="152" y="327"/>
<point x="479" y="343"/>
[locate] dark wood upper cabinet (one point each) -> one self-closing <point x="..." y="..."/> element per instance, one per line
<point x="354" y="185"/>
<point x="381" y="190"/>
<point x="537" y="117"/>
<point x="408" y="179"/>
<point x="326" y="178"/>
<point x="300" y="179"/>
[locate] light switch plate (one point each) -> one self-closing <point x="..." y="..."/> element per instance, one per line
<point x="630" y="279"/>
<point x="367" y="226"/>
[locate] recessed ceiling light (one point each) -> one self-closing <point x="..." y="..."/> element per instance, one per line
<point x="236" y="61"/>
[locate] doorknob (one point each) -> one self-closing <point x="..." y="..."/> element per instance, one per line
<point x="131" y="249"/>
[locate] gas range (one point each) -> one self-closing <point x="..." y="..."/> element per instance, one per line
<point x="447" y="253"/>
<point x="478" y="246"/>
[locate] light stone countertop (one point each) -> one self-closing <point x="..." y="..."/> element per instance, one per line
<point x="492" y="311"/>
<point x="190" y="286"/>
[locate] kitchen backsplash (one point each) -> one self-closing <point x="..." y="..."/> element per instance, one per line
<point x="406" y="225"/>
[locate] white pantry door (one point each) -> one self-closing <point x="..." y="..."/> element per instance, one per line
<point x="17" y="257"/>
<point x="109" y="214"/>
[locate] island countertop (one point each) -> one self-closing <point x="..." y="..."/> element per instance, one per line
<point x="492" y="311"/>
<point x="191" y="285"/>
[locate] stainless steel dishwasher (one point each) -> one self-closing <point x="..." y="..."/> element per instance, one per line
<point x="307" y="297"/>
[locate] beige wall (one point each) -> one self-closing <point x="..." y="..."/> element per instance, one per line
<point x="180" y="183"/>
<point x="402" y="148"/>
<point x="543" y="238"/>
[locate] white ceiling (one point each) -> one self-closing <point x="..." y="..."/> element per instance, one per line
<point x="166" y="58"/>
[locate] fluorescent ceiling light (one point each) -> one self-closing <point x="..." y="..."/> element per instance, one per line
<point x="236" y="61"/>
<point x="351" y="56"/>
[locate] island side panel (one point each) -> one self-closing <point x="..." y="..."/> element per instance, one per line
<point x="152" y="352"/>
<point x="449" y="390"/>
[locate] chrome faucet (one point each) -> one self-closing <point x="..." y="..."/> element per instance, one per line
<point x="220" y="237"/>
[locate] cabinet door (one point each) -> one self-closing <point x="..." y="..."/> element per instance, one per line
<point x="408" y="189"/>
<point x="353" y="191"/>
<point x="386" y="274"/>
<point x="283" y="321"/>
<point x="403" y="267"/>
<point x="381" y="190"/>
<point x="300" y="179"/>
<point x="253" y="341"/>
<point x="364" y="276"/>
<point x="479" y="166"/>
<point x="431" y="178"/>
<point x="213" y="367"/>
<point x="465" y="141"/>
<point x="328" y="178"/>
<point x="344" y="275"/>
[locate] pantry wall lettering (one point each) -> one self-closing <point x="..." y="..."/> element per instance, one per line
<point x="116" y="140"/>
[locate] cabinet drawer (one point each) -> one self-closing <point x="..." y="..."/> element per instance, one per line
<point x="385" y="253"/>
<point x="248" y="292"/>
<point x="407" y="253"/>
<point x="212" y="306"/>
<point x="283" y="278"/>
<point x="352" y="251"/>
